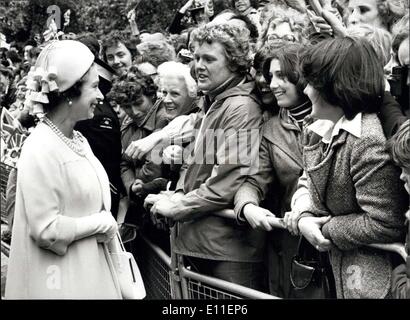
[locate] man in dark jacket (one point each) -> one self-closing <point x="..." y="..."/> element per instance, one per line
<point x="230" y="116"/>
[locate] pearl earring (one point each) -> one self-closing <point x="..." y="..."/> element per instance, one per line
<point x="70" y="102"/>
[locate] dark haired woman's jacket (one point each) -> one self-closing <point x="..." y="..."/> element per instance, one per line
<point x="278" y="170"/>
<point x="358" y="185"/>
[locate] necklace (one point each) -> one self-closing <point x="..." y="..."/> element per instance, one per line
<point x="75" y="144"/>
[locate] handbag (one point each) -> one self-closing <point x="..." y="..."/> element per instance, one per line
<point x="126" y="268"/>
<point x="311" y="274"/>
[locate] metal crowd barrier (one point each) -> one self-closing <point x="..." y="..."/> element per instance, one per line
<point x="198" y="287"/>
<point x="155" y="268"/>
<point x="167" y="278"/>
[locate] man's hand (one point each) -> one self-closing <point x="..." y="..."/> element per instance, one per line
<point x="258" y="217"/>
<point x="176" y="196"/>
<point x="151" y="199"/>
<point x="310" y="227"/>
<point x="164" y="207"/>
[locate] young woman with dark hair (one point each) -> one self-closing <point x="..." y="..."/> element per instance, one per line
<point x="279" y="165"/>
<point x="350" y="195"/>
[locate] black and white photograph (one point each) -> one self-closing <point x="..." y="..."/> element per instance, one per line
<point x="189" y="152"/>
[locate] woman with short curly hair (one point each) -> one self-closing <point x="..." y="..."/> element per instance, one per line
<point x="236" y="44"/>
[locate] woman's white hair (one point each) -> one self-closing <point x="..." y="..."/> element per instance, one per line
<point x="180" y="70"/>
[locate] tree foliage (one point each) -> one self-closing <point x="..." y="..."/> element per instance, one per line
<point x="21" y="20"/>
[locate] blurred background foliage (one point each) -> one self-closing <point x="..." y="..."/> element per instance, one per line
<point x="21" y="20"/>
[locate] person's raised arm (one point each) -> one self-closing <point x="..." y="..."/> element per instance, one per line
<point x="178" y="130"/>
<point x="175" y="26"/>
<point x="218" y="190"/>
<point x="133" y="24"/>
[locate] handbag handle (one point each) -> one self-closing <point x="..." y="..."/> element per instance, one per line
<point x="111" y="245"/>
<point x="120" y="241"/>
<point x="116" y="245"/>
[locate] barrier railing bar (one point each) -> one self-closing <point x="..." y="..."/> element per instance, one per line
<point x="278" y="223"/>
<point x="184" y="282"/>
<point x="176" y="290"/>
<point x="161" y="254"/>
<point x="225" y="285"/>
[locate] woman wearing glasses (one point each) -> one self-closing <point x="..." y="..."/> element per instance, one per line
<point x="285" y="26"/>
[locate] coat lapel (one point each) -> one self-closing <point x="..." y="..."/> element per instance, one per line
<point x="319" y="165"/>
<point x="103" y="180"/>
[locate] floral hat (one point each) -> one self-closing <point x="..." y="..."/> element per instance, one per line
<point x="58" y="67"/>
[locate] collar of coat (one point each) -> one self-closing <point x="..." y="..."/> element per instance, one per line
<point x="245" y="87"/>
<point x="328" y="130"/>
<point x="230" y="83"/>
<point x="286" y="121"/>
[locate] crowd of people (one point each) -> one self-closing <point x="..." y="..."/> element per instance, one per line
<point x="273" y="138"/>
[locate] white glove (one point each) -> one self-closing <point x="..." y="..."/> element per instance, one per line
<point x="101" y="224"/>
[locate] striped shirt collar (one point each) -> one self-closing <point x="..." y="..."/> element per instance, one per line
<point x="299" y="112"/>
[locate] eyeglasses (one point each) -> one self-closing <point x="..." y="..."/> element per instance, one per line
<point x="286" y="37"/>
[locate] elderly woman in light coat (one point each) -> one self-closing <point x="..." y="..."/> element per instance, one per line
<point x="61" y="231"/>
<point x="350" y="195"/>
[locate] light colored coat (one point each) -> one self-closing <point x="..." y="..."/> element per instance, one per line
<point x="54" y="187"/>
